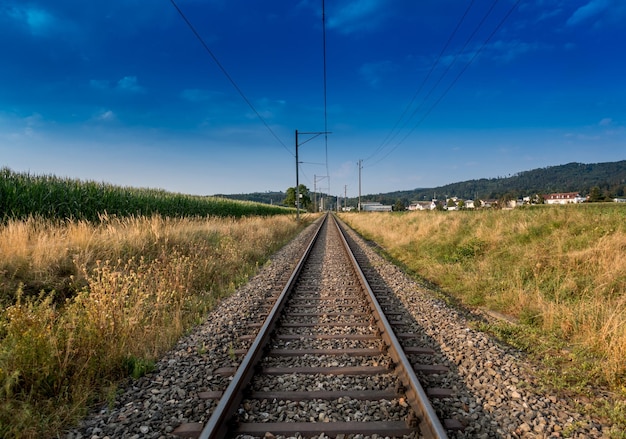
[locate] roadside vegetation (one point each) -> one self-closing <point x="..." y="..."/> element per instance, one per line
<point x="558" y="273"/>
<point x="90" y="298"/>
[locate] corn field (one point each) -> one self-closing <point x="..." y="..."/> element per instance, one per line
<point x="47" y="196"/>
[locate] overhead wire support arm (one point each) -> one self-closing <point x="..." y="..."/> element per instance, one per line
<point x="314" y="134"/>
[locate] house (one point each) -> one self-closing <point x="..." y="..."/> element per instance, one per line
<point x="422" y="205"/>
<point x="563" y="198"/>
<point x="375" y="207"/>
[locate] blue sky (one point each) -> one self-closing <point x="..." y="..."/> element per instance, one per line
<point x="425" y="92"/>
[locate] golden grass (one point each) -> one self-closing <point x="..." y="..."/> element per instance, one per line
<point x="561" y="271"/>
<point x="86" y="305"/>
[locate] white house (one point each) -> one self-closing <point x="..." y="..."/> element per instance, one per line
<point x="422" y="205"/>
<point x="563" y="198"/>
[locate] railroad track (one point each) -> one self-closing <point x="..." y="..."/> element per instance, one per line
<point x="333" y="355"/>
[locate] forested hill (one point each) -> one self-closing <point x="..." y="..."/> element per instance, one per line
<point x="572" y="177"/>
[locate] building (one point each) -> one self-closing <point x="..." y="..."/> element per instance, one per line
<point x="422" y="205"/>
<point x="563" y="198"/>
<point x="375" y="207"/>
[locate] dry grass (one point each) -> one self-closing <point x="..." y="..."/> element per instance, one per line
<point x="561" y="271"/>
<point x="86" y="305"/>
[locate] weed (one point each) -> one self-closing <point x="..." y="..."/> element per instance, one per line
<point x="138" y="367"/>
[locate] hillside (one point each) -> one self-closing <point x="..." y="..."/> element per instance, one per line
<point x="572" y="177"/>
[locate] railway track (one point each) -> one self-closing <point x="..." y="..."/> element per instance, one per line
<point x="333" y="354"/>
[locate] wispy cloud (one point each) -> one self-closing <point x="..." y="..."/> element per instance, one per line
<point x="38" y="21"/>
<point x="105" y="116"/>
<point x="126" y="84"/>
<point x="607" y="121"/>
<point x="588" y="11"/>
<point x="356" y="15"/>
<point x="510" y="50"/>
<point x="129" y="83"/>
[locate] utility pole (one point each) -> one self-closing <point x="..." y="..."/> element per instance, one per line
<point x="360" y="167"/>
<point x="297" y="182"/>
<point x="315" y="192"/>
<point x="314" y="134"/>
<point x="345" y="196"/>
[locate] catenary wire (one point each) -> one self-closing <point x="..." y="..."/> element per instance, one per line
<point x="225" y="72"/>
<point x="443" y="74"/>
<point x="389" y="136"/>
<point x="454" y="81"/>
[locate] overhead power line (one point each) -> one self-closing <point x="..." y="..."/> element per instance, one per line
<point x="455" y="80"/>
<point x="392" y="134"/>
<point x="232" y="81"/>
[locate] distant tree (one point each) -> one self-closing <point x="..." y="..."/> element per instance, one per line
<point x="596" y="195"/>
<point x="305" y="198"/>
<point x="450" y="203"/>
<point x="398" y="206"/>
<point x="461" y="204"/>
<point x="505" y="200"/>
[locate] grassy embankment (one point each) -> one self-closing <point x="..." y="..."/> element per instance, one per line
<point x="86" y="304"/>
<point x="559" y="271"/>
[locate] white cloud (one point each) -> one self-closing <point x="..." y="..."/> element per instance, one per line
<point x="106" y="116"/>
<point x="591" y="9"/>
<point x="126" y="84"/>
<point x="605" y="122"/>
<point x="37" y="20"/>
<point x="356" y="15"/>
<point x="129" y="83"/>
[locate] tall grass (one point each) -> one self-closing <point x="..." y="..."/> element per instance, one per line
<point x="561" y="271"/>
<point x="88" y="304"/>
<point x="23" y="195"/>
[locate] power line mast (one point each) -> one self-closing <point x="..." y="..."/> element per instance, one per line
<point x="360" y="164"/>
<point x="315" y="192"/>
<point x="314" y="134"/>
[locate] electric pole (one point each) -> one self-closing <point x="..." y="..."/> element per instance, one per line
<point x="345" y="196"/>
<point x="315" y="192"/>
<point x="360" y="167"/>
<point x="314" y="134"/>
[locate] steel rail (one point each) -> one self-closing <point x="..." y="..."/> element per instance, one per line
<point x="429" y="423"/>
<point x="218" y="424"/>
